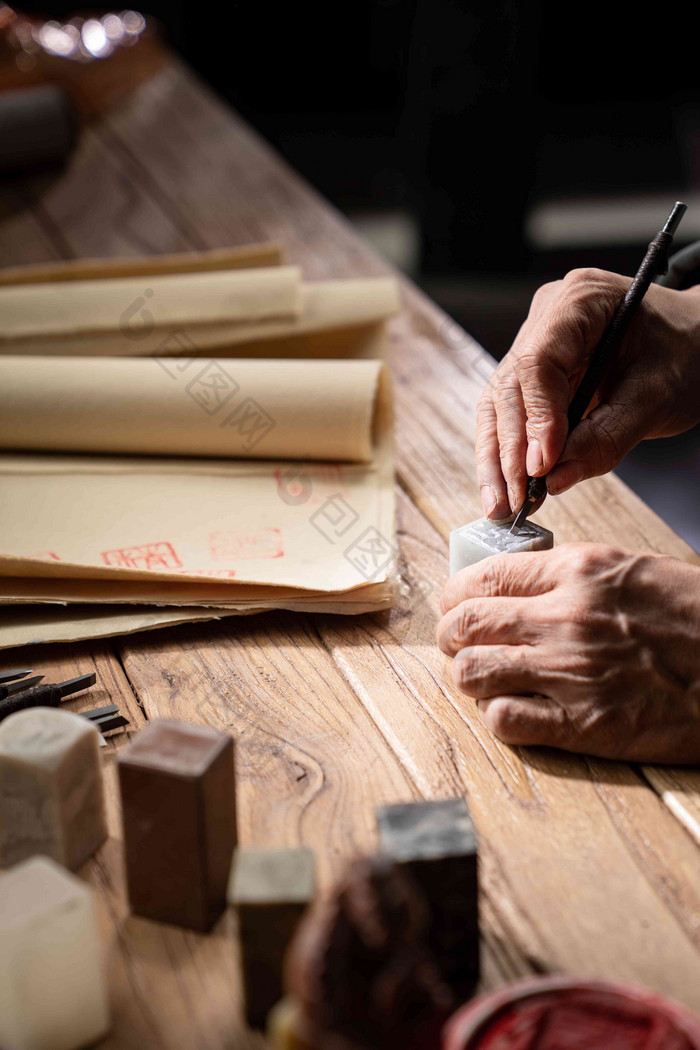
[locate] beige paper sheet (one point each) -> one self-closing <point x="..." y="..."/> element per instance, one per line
<point x="332" y="318"/>
<point x="210" y="591"/>
<point x="35" y="624"/>
<point x="133" y="308"/>
<point x="250" y="534"/>
<point x="241" y="258"/>
<point x="309" y="527"/>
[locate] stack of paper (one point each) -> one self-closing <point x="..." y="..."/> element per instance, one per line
<point x="152" y="483"/>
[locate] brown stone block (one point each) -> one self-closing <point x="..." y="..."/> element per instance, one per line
<point x="435" y="842"/>
<point x="270" y="890"/>
<point x="178" y="800"/>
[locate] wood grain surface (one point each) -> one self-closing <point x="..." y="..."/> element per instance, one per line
<point x="588" y="867"/>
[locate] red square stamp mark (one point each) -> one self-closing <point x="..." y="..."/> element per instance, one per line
<point x="235" y="544"/>
<point x="146" y="556"/>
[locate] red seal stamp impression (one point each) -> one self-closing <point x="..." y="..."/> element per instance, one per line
<point x="236" y="544"/>
<point x="147" y="556"/>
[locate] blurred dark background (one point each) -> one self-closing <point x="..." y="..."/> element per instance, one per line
<point x="483" y="148"/>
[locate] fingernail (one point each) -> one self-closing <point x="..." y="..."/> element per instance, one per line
<point x="512" y="499"/>
<point x="533" y="460"/>
<point x="565" y="477"/>
<point x="488" y="499"/>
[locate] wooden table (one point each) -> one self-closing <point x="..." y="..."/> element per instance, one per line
<point x="587" y="866"/>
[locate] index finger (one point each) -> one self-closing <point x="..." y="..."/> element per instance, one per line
<point x="488" y="461"/>
<point x="502" y="575"/>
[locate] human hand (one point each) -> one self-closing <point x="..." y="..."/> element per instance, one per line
<point x="651" y="390"/>
<point x="583" y="647"/>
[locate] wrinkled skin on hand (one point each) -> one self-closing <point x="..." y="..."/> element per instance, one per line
<point x="584" y="647"/>
<point x="652" y="389"/>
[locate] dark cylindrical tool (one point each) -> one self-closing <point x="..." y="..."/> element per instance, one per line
<point x="6" y="691"/>
<point x="10" y="676"/>
<point x="43" y="695"/>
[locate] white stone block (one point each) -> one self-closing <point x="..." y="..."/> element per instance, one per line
<point x="52" y="987"/>
<point x="482" y="538"/>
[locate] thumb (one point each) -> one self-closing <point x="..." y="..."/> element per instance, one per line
<point x="555" y="347"/>
<point x="546" y="391"/>
<point x="598" y="443"/>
